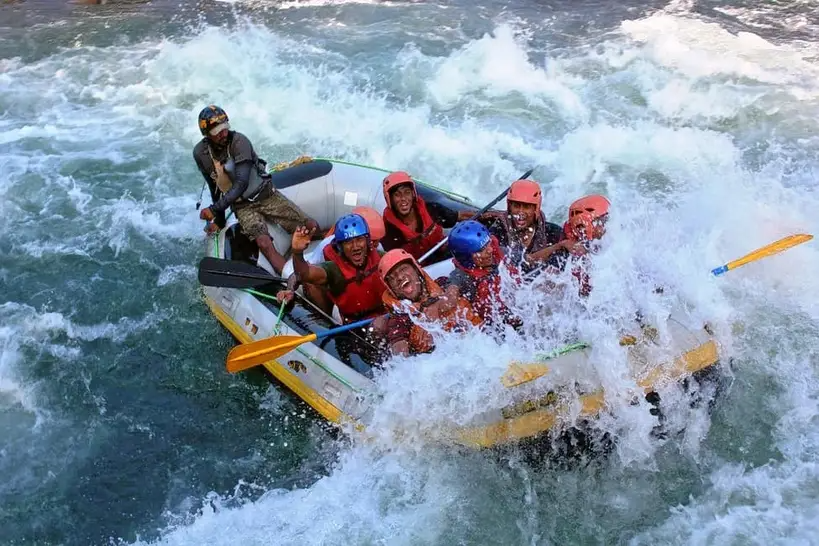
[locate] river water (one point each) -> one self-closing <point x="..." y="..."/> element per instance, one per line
<point x="119" y="423"/>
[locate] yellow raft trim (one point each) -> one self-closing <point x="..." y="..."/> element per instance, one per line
<point x="302" y="390"/>
<point x="690" y="362"/>
<point x="541" y="420"/>
<point x="508" y="429"/>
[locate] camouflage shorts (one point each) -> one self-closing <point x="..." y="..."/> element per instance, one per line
<point x="277" y="209"/>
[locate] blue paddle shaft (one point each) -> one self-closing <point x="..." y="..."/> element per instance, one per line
<point x="344" y="328"/>
<point x="720" y="270"/>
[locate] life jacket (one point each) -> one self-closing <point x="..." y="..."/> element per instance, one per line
<point x="362" y="294"/>
<point x="420" y="340"/>
<point x="417" y="244"/>
<point x="487" y="296"/>
<point x="223" y="173"/>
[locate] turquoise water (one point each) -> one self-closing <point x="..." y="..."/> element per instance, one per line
<point x="119" y="423"/>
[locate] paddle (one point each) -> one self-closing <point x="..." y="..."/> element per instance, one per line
<point x="768" y="250"/>
<point x="474" y="216"/>
<point x="252" y="354"/>
<point x="241" y="275"/>
<point x="518" y="374"/>
<point x="233" y="274"/>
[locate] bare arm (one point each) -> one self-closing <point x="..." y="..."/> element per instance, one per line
<point x="288" y="293"/>
<point x="445" y="304"/>
<point x="545" y="253"/>
<point x="400" y="348"/>
<point x="305" y="272"/>
<point x="464" y="215"/>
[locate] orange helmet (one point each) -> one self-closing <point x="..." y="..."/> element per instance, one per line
<point x="525" y="191"/>
<point x="396" y="179"/>
<point x="596" y="205"/>
<point x="393" y="258"/>
<point x="580" y="227"/>
<point x="374" y="222"/>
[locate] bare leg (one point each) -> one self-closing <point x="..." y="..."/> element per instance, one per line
<point x="267" y="248"/>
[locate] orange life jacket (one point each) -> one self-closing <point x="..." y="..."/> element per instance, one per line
<point x="416" y="243"/>
<point x="420" y="340"/>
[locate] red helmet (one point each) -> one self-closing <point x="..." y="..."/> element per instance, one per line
<point x="374" y="222"/>
<point x="393" y="258"/>
<point x="525" y="191"/>
<point x="395" y="179"/>
<point x="596" y="205"/>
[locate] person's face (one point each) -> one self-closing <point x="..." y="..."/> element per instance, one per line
<point x="355" y="250"/>
<point x="402" y="199"/>
<point x="219" y="138"/>
<point x="523" y="214"/>
<point x="484" y="259"/>
<point x="405" y="282"/>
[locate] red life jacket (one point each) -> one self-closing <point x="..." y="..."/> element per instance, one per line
<point x="487" y="292"/>
<point x="362" y="294"/>
<point x="416" y="243"/>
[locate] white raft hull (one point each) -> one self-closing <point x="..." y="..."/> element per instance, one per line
<point x="341" y="393"/>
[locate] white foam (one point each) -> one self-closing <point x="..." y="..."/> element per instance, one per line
<point x="10" y="386"/>
<point x="774" y="503"/>
<point x="698" y="49"/>
<point x="497" y="65"/>
<point x="366" y="126"/>
<point x="175" y="273"/>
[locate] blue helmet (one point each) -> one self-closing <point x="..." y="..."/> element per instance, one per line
<point x="467" y="238"/>
<point x="349" y="227"/>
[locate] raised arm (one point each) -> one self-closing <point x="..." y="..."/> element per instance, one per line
<point x="305" y="272"/>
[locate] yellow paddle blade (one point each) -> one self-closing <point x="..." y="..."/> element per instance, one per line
<point x="771" y="249"/>
<point x="519" y="372"/>
<point x="252" y="354"/>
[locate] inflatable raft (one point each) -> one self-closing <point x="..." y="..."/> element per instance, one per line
<point x="337" y="383"/>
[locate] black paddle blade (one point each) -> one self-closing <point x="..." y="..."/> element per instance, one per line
<point x="233" y="274"/>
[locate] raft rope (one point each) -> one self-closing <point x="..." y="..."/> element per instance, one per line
<point x="354" y="164"/>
